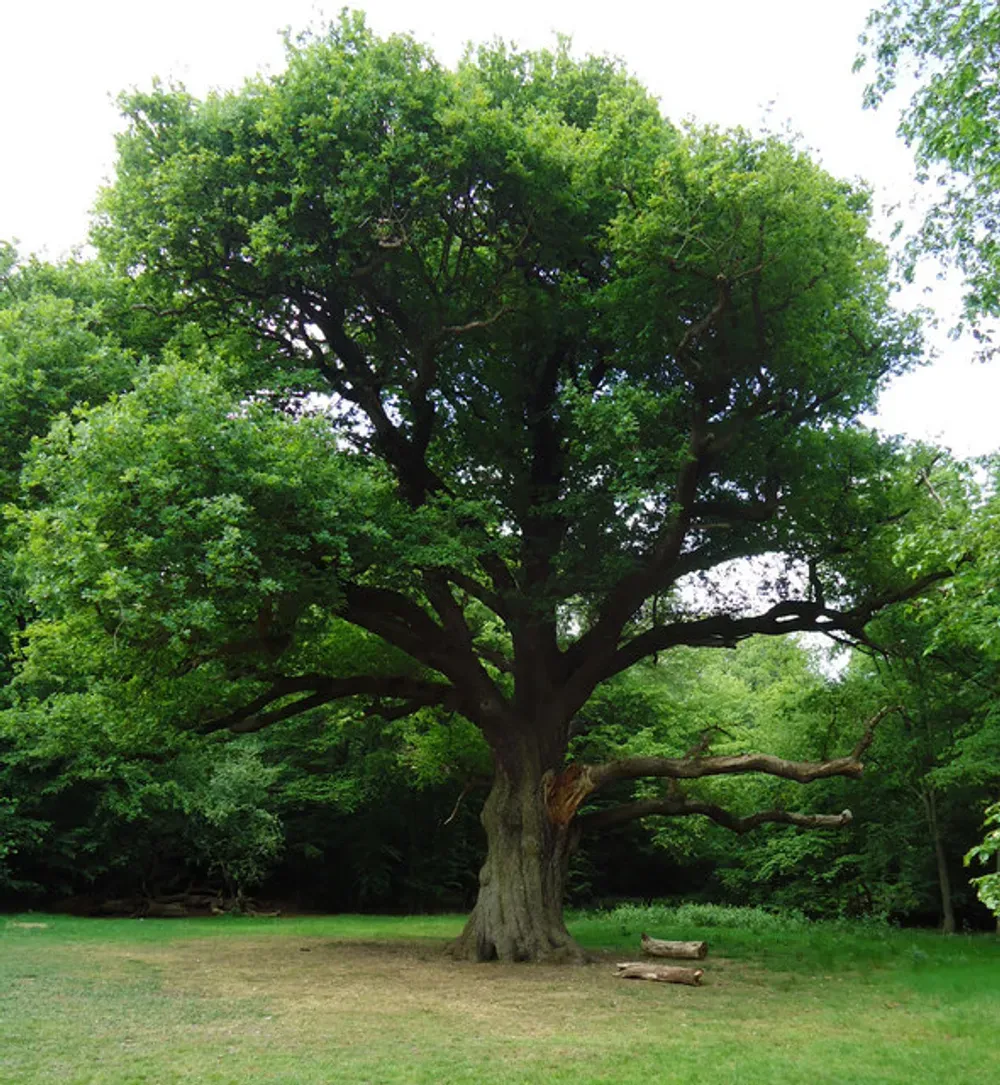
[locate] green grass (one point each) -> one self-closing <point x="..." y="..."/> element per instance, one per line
<point x="358" y="999"/>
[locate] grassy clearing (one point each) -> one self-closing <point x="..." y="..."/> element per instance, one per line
<point x="359" y="999"/>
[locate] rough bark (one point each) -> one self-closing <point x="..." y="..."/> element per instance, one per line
<point x="531" y="824"/>
<point x="518" y="915"/>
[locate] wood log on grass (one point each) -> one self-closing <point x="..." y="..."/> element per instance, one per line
<point x="657" y="947"/>
<point x="660" y="973"/>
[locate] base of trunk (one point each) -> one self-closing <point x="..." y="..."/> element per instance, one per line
<point x="491" y="935"/>
<point x="519" y="911"/>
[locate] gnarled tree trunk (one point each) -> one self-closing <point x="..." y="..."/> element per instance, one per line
<point x="518" y="914"/>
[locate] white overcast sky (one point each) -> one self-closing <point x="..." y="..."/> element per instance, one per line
<point x="726" y="62"/>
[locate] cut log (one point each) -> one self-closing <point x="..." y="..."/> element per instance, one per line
<point x="657" y="947"/>
<point x="661" y="973"/>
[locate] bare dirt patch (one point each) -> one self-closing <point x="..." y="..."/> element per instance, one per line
<point x="314" y="980"/>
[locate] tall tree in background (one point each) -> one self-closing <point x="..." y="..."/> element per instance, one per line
<point x="952" y="49"/>
<point x="56" y="352"/>
<point x="573" y="358"/>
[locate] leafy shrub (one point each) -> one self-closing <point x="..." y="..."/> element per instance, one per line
<point x="633" y="918"/>
<point x="988" y="885"/>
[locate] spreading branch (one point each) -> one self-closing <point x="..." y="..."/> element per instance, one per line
<point x="318" y="690"/>
<point x="691" y="768"/>
<point x="789" y="616"/>
<point x="677" y="804"/>
<point x="681" y="806"/>
<point x="445" y="648"/>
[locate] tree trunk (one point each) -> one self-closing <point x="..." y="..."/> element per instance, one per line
<point x="944" y="881"/>
<point x="518" y="914"/>
<point x="941" y="861"/>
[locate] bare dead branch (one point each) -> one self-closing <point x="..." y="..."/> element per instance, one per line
<point x="680" y="806"/>
<point x="869" y="733"/>
<point x="458" y="804"/>
<point x="141" y="306"/>
<point x="659" y="947"/>
<point x="475" y="325"/>
<point x="691" y="768"/>
<point x="924" y="478"/>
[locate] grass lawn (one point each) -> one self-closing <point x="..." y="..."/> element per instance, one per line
<point x="360" y="999"/>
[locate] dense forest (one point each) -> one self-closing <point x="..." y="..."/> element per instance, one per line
<point x="447" y="490"/>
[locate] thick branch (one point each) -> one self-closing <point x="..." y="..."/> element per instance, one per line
<point x="405" y="624"/>
<point x="791" y="616"/>
<point x="682" y="807"/>
<point x="397" y="618"/>
<point x="587" y="660"/>
<point x="865" y="610"/>
<point x="320" y="690"/>
<point x="472" y="587"/>
<point x="364" y="387"/>
<point x="495" y="658"/>
<point x="690" y="768"/>
<point x="724" y="631"/>
<point x="475" y="325"/>
<point x="452" y="615"/>
<point x="698" y="328"/>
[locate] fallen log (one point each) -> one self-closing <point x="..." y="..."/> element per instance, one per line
<point x="657" y="947"/>
<point x="640" y="970"/>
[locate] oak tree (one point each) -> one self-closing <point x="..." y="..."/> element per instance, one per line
<point x="571" y="358"/>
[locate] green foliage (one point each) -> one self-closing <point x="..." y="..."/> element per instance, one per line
<point x="988" y="885"/>
<point x="174" y="520"/>
<point x="54" y="355"/>
<point x="950" y="48"/>
<point x="636" y="918"/>
<point x="367" y="207"/>
<point x="569" y="355"/>
<point x="18" y="833"/>
<point x="56" y="352"/>
<point x="231" y="831"/>
<point x="94" y="809"/>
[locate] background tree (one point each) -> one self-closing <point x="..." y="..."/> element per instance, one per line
<point x="573" y="357"/>
<point x="938" y="762"/>
<point x="950" y="47"/>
